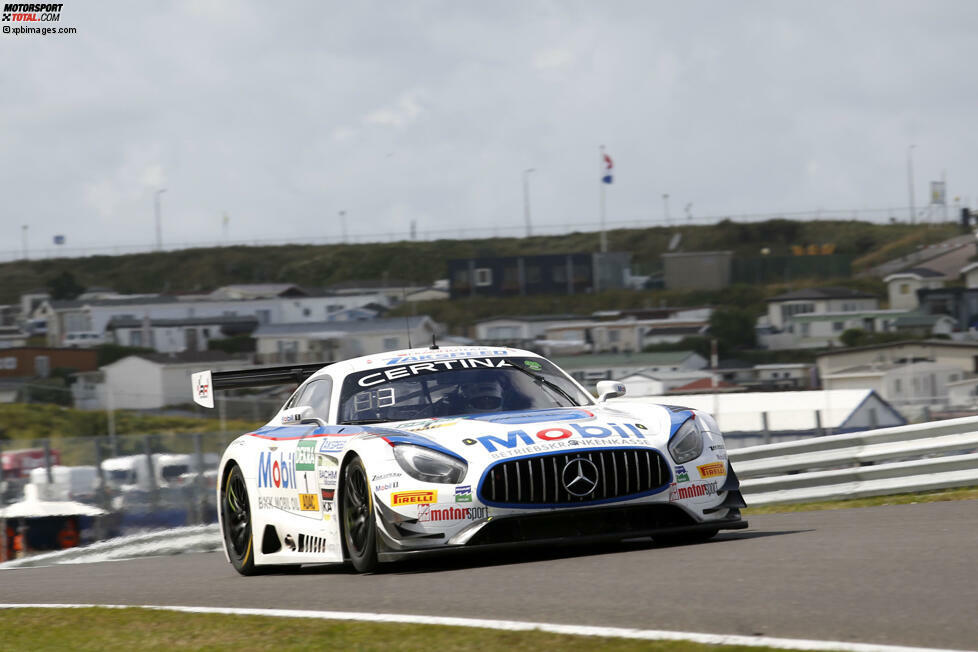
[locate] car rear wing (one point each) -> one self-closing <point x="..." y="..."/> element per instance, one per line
<point x="205" y="383"/>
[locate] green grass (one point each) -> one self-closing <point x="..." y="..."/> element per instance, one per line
<point x="129" y="629"/>
<point x="943" y="495"/>
<point x="21" y="421"/>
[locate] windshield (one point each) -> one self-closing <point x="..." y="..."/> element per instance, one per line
<point x="454" y="387"/>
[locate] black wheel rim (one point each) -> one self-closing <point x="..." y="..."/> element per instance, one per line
<point x="237" y="516"/>
<point x="356" y="509"/>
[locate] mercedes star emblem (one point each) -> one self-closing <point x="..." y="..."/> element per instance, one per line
<point x="580" y="476"/>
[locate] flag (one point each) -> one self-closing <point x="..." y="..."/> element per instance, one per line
<point x="607" y="168"/>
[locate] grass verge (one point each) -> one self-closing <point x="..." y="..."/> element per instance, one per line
<point x="943" y="495"/>
<point x="128" y="629"/>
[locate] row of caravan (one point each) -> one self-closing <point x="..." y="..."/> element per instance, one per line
<point x="122" y="475"/>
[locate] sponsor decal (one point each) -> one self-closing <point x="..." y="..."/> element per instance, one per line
<point x="532" y="365"/>
<point x="386" y="486"/>
<point x="443" y="355"/>
<point x="332" y="444"/>
<point x="385" y="476"/>
<point x="305" y="455"/>
<point x="426" y="424"/>
<point x="328" y="494"/>
<point x="516" y="438"/>
<point x="712" y="470"/>
<point x="327" y="461"/>
<point x="431" y="513"/>
<point x="429" y="367"/>
<point x="695" y="490"/>
<point x="278" y="473"/>
<point x="720" y="451"/>
<point x="309" y="502"/>
<point x="328" y="477"/>
<point x="468" y="441"/>
<point x="681" y="474"/>
<point x="463" y="494"/>
<point x="413" y="497"/>
<point x="295" y="417"/>
<point x="287" y="503"/>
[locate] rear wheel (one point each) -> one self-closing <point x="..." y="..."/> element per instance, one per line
<point x="236" y="520"/>
<point x="359" y="526"/>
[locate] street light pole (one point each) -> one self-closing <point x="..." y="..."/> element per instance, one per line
<point x="23" y="237"/>
<point x="159" y="218"/>
<point x="913" y="208"/>
<point x="665" y="204"/>
<point x="526" y="199"/>
<point x="343" y="224"/>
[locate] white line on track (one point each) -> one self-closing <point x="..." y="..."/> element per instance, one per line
<point x="515" y="625"/>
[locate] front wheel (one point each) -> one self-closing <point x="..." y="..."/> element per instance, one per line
<point x="359" y="526"/>
<point x="236" y="521"/>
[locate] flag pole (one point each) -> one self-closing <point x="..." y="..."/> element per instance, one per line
<point x="604" y="235"/>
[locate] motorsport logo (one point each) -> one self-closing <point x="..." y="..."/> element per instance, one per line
<point x="692" y="491"/>
<point x="31" y="13"/>
<point x="429" y="513"/>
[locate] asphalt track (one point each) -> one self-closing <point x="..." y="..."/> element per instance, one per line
<point x="898" y="575"/>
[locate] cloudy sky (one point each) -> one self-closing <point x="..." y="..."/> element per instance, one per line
<point x="284" y="114"/>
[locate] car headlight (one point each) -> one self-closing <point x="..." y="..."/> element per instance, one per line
<point x="429" y="466"/>
<point x="687" y="443"/>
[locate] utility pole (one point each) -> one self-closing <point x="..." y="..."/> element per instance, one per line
<point x="665" y="205"/>
<point x="159" y="218"/>
<point x="23" y="238"/>
<point x="526" y="199"/>
<point x="944" y="198"/>
<point x="343" y="224"/>
<point x="602" y="182"/>
<point x="913" y="208"/>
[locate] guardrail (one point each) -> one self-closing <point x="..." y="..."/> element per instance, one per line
<point x="902" y="459"/>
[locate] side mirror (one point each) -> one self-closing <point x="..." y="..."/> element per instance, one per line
<point x="610" y="389"/>
<point x="300" y="414"/>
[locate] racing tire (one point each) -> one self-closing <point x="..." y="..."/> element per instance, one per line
<point x="236" y="522"/>
<point x="359" y="526"/>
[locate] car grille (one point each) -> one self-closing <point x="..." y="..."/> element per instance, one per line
<point x="633" y="520"/>
<point x="537" y="481"/>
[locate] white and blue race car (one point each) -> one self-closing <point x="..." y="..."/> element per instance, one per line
<point x="432" y="450"/>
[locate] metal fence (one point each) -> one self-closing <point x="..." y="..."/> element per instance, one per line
<point x="515" y="228"/>
<point x="885" y="461"/>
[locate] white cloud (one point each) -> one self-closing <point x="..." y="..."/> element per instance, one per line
<point x="403" y="111"/>
<point x="344" y="134"/>
<point x="550" y="59"/>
